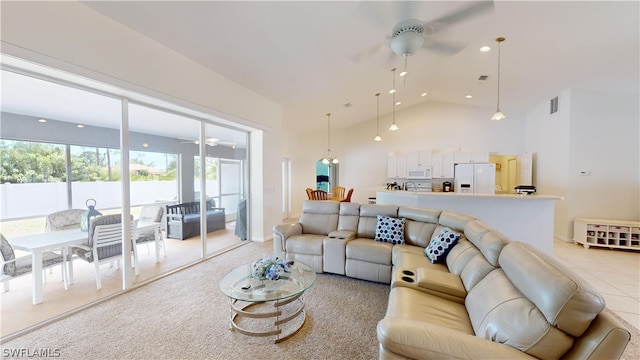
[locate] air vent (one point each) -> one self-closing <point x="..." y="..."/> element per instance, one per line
<point x="553" y="105"/>
<point x="483" y="77"/>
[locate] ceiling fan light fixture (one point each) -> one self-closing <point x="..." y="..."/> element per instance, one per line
<point x="407" y="37"/>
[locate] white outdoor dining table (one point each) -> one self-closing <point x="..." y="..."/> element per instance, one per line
<point x="39" y="243"/>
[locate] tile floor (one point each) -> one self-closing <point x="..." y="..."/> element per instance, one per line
<point x="615" y="273"/>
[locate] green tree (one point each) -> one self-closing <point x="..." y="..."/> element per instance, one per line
<point x="27" y="162"/>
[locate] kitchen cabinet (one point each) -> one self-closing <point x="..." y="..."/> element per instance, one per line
<point x="471" y="157"/>
<point x="396" y="165"/>
<point x="613" y="234"/>
<point x="442" y="166"/>
<point x="418" y="159"/>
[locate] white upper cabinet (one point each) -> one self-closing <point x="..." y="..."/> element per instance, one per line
<point x="470" y="157"/>
<point x="442" y="165"/>
<point x="396" y="165"/>
<point x="418" y="158"/>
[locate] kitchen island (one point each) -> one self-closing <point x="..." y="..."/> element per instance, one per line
<point x="525" y="218"/>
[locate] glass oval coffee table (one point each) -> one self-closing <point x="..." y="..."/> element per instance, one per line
<point x="268" y="308"/>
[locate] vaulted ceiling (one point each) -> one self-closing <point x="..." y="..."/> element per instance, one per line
<point x="315" y="57"/>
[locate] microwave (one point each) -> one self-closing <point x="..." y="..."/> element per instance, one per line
<point x="420" y="172"/>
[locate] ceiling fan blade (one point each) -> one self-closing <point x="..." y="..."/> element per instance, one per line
<point x="461" y="14"/>
<point x="367" y="53"/>
<point x="444" y="48"/>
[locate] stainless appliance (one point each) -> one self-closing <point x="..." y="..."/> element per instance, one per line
<point x="419" y="173"/>
<point x="525" y="189"/>
<point x="477" y="178"/>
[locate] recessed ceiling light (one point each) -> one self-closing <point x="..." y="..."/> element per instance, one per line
<point x="145" y="145"/>
<point x="42" y="121"/>
<point x="424" y="94"/>
<point x="79" y="126"/>
<point x="398" y="103"/>
<point x="468" y="96"/>
<point x="485" y="48"/>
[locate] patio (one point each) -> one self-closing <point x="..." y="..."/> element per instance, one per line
<point x="18" y="313"/>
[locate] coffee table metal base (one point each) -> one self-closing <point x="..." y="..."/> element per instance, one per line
<point x="244" y="309"/>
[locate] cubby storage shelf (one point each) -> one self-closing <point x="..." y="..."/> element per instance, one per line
<point x="613" y="234"/>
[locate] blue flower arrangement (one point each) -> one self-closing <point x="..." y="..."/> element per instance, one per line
<point x="269" y="268"/>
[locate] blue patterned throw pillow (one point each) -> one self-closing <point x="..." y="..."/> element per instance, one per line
<point x="441" y="244"/>
<point x="390" y="229"/>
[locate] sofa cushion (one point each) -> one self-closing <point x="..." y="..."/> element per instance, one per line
<point x="305" y="244"/>
<point x="570" y="304"/>
<point x="441" y="244"/>
<point x="376" y="252"/>
<point x="349" y="216"/>
<point x="390" y="229"/>
<point x="417" y="305"/>
<point x="500" y="312"/>
<point x="453" y="220"/>
<point x="319" y="217"/>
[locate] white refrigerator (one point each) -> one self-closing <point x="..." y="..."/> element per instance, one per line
<point x="475" y="178"/>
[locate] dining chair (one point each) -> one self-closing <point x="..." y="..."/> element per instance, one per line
<point x="309" y="193"/>
<point x="348" y="197"/>
<point x="63" y="220"/>
<point x="319" y="195"/>
<point x="104" y="243"/>
<point x="338" y="193"/>
<point x="12" y="267"/>
<point x="150" y="214"/>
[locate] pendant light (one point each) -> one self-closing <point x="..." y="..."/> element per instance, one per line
<point x="393" y="126"/>
<point x="498" y="115"/>
<point x="378" y="138"/>
<point x="328" y="159"/>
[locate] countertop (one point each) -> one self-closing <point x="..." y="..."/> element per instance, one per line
<point x="491" y="196"/>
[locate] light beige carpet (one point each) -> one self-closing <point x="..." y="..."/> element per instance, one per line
<point x="185" y="316"/>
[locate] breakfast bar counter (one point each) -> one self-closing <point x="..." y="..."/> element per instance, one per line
<point x="525" y="218"/>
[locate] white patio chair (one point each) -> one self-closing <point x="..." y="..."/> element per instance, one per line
<point x="150" y="214"/>
<point x="104" y="243"/>
<point x="13" y="267"/>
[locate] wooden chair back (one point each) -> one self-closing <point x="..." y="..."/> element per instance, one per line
<point x="348" y="197"/>
<point x="319" y="195"/>
<point x="309" y="191"/>
<point x="338" y="193"/>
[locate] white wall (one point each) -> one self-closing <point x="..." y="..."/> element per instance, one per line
<point x="72" y="37"/>
<point x="547" y="137"/>
<point x="605" y="142"/>
<point x="593" y="131"/>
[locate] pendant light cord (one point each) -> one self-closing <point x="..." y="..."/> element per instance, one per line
<point x="329" y="133"/>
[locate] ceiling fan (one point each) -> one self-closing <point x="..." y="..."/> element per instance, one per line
<point x="411" y="35"/>
<point x="212" y="142"/>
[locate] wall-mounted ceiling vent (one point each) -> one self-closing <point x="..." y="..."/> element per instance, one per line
<point x="483" y="77"/>
<point x="553" y="105"/>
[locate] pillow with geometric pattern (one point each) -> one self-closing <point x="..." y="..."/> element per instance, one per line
<point x="390" y="229"/>
<point x="441" y="244"/>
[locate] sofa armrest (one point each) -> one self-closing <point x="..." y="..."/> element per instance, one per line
<point x="342" y="234"/>
<point x="281" y="233"/>
<point x="416" y="339"/>
<point x="440" y="282"/>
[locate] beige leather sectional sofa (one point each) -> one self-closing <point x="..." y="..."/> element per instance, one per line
<point x="490" y="298"/>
